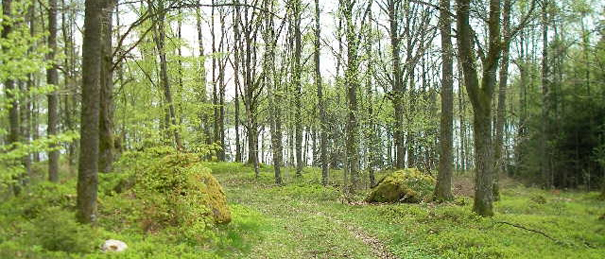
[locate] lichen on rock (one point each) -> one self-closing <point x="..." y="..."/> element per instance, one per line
<point x="408" y="185"/>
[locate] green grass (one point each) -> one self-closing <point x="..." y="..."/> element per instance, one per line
<point x="303" y="219"/>
<point x="321" y="222"/>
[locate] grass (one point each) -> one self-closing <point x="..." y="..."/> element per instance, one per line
<point x="309" y="220"/>
<point x="303" y="219"/>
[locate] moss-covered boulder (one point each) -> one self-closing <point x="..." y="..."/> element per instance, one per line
<point x="214" y="197"/>
<point x="408" y="185"/>
<point x="178" y="191"/>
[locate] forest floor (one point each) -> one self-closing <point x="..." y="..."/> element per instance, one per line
<point x="303" y="219"/>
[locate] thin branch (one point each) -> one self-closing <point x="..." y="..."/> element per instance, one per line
<point x="532" y="230"/>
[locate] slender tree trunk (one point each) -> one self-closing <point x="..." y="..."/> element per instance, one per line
<point x="221" y="88"/>
<point x="325" y="169"/>
<point x="10" y="93"/>
<point x="215" y="108"/>
<point x="296" y="81"/>
<point x="398" y="86"/>
<point x="52" y="78"/>
<point x="236" y="64"/>
<point x="544" y="134"/>
<point x="24" y="111"/>
<point x="89" y="129"/>
<point x="352" y="84"/>
<point x="501" y="110"/>
<point x="273" y="93"/>
<point x="26" y="105"/>
<point x="443" y="189"/>
<point x="202" y="72"/>
<point x="160" y="40"/>
<point x="462" y="118"/>
<point x="69" y="75"/>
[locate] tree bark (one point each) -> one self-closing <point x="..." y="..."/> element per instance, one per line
<point x="52" y="78"/>
<point x="397" y="83"/>
<point x="352" y="84"/>
<point x="10" y="89"/>
<point x="296" y="81"/>
<point x="89" y="128"/>
<point x="481" y="98"/>
<point x="501" y="110"/>
<point x="325" y="169"/>
<point x="544" y="130"/>
<point x="106" y="138"/>
<point x="443" y="189"/>
<point x="160" y="40"/>
<point x="236" y="64"/>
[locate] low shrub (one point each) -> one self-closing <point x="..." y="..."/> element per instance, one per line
<point x="57" y="230"/>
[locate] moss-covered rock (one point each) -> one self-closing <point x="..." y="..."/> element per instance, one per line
<point x="214" y="197"/>
<point x="408" y="185"/>
<point x="178" y="191"/>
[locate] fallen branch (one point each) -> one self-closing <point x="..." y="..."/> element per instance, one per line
<point x="534" y="231"/>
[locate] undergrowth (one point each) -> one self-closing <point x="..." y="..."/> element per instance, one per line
<point x="301" y="219"/>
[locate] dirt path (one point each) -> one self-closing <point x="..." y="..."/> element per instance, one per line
<point x="379" y="249"/>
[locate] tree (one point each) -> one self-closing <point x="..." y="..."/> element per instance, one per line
<point x="325" y="170"/>
<point x="11" y="89"/>
<point x="296" y="81"/>
<point x="443" y="189"/>
<point x="398" y="86"/>
<point x="52" y="78"/>
<point x="273" y="90"/>
<point x="352" y="86"/>
<point x="501" y="110"/>
<point x="481" y="97"/>
<point x="89" y="128"/>
<point x="106" y="138"/>
<point x="159" y="12"/>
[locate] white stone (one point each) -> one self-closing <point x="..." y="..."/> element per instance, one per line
<point x="113" y="245"/>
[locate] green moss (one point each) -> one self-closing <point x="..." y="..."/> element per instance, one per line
<point x="214" y="196"/>
<point x="178" y="191"/>
<point x="408" y="185"/>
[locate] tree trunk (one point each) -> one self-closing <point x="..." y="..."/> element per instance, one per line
<point x="24" y="110"/>
<point x="52" y="78"/>
<point x="501" y="110"/>
<point x="544" y="134"/>
<point x="10" y="93"/>
<point x="397" y="83"/>
<point x="89" y="128"/>
<point x="106" y="138"/>
<point x="205" y="125"/>
<point x="273" y="93"/>
<point x="325" y="169"/>
<point x="160" y="40"/>
<point x="221" y="90"/>
<point x="69" y="79"/>
<point x="352" y="84"/>
<point x="215" y="108"/>
<point x="481" y="98"/>
<point x="443" y="189"/>
<point x="296" y="81"/>
<point x="236" y="60"/>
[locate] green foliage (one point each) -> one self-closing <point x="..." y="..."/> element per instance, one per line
<point x="57" y="230"/>
<point x="11" y="154"/>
